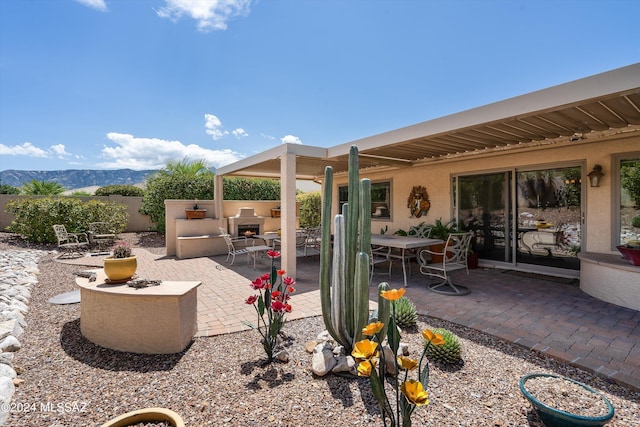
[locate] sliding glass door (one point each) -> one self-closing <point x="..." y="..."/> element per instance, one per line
<point x="524" y="216"/>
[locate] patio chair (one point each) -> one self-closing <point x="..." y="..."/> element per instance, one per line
<point x="231" y="242"/>
<point x="379" y="255"/>
<point x="70" y="243"/>
<point x="101" y="235"/>
<point x="454" y="257"/>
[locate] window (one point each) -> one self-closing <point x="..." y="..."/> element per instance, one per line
<point x="380" y="199"/>
<point x="628" y="192"/>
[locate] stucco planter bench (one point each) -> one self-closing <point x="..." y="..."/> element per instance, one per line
<point x="610" y="278"/>
<point x="154" y="320"/>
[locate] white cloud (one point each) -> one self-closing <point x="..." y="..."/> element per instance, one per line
<point x="290" y="139"/>
<point x="210" y="14"/>
<point x="26" y="149"/>
<point x="240" y="133"/>
<point x="214" y="126"/>
<point x="153" y="153"/>
<point x="94" y="4"/>
<point x="269" y="137"/>
<point x="59" y="150"/>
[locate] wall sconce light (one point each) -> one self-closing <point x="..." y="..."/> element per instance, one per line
<point x="595" y="175"/>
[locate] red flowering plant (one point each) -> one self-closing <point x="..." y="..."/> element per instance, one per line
<point x="271" y="304"/>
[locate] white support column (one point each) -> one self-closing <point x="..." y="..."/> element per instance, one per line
<point x="217" y="197"/>
<point x="288" y="220"/>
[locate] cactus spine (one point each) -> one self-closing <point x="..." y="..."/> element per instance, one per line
<point x="344" y="280"/>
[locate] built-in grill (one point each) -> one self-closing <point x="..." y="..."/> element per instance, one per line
<point x="246" y="221"/>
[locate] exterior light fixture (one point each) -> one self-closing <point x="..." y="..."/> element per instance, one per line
<point x="595" y="175"/>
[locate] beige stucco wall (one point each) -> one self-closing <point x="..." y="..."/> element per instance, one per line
<point x="436" y="177"/>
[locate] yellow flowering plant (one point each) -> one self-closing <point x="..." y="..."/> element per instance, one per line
<point x="410" y="393"/>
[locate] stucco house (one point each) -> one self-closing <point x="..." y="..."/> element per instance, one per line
<point x="518" y="172"/>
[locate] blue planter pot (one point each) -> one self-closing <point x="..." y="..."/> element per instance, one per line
<point x="552" y="417"/>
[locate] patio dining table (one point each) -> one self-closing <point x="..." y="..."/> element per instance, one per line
<point x="403" y="243"/>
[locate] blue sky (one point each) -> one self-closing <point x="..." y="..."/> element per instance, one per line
<point x="104" y="84"/>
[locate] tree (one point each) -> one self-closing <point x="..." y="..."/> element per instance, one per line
<point x="630" y="180"/>
<point x="310" y="209"/>
<point x="8" y="189"/>
<point x="42" y="188"/>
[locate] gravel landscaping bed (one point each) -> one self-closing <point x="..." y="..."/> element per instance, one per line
<point x="65" y="380"/>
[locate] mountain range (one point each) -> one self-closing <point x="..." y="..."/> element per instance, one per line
<point x="76" y="178"/>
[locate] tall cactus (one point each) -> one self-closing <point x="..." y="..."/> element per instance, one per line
<point x="344" y="281"/>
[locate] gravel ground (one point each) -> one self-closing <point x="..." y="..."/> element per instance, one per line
<point x="66" y="380"/>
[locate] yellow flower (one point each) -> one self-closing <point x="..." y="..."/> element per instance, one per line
<point x="405" y="363"/>
<point x="365" y="367"/>
<point x="364" y="349"/>
<point x="414" y="392"/>
<point x="435" y="339"/>
<point x="372" y="328"/>
<point x="393" y="294"/>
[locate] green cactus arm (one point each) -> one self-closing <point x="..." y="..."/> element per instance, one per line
<point x="341" y="300"/>
<point x="384" y="311"/>
<point x="361" y="297"/>
<point x="325" y="252"/>
<point x="365" y="215"/>
<point x="351" y="233"/>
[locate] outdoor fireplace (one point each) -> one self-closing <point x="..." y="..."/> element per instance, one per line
<point x="246" y="220"/>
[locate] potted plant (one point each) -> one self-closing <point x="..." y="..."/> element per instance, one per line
<point x="275" y="212"/>
<point x="563" y="402"/>
<point x="440" y="230"/>
<point x="146" y="415"/>
<point x="121" y="265"/>
<point x="195" y="212"/>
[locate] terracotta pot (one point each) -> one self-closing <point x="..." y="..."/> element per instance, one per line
<point x="195" y="213"/>
<point x="436" y="259"/>
<point x="146" y="415"/>
<point x="118" y="269"/>
<point x="275" y="213"/>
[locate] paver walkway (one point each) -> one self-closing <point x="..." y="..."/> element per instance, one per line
<point x="552" y="316"/>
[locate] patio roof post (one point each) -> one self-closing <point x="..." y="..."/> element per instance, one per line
<point x="288" y="219"/>
<point x="217" y="197"/>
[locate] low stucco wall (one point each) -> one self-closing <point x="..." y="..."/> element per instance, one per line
<point x="610" y="278"/>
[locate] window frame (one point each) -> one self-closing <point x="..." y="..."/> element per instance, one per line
<point x="389" y="197"/>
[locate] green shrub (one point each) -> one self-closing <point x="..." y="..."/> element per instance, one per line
<point x="239" y="188"/>
<point x="406" y="313"/>
<point x="121" y="190"/>
<point x="310" y="208"/>
<point x="449" y="352"/>
<point x="8" y="189"/>
<point x="635" y="221"/>
<point x="34" y="217"/>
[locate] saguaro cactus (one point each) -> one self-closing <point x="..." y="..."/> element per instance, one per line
<point x="344" y="280"/>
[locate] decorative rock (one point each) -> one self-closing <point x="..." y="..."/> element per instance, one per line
<point x="345" y="364"/>
<point x="403" y="349"/>
<point x="390" y="360"/>
<point x="324" y="336"/>
<point x="9" y="327"/>
<point x="7" y="371"/>
<point x="310" y="345"/>
<point x="338" y="350"/>
<point x="322" y="361"/>
<point x="6" y="358"/>
<point x="10" y="343"/>
<point x="6" y="393"/>
<point x="282" y="356"/>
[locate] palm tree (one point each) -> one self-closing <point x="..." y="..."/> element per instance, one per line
<point x="42" y="188"/>
<point x="186" y="167"/>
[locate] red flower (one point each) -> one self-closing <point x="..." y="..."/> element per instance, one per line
<point x="287" y="308"/>
<point x="276" y="295"/>
<point x="281" y="272"/>
<point x="273" y="254"/>
<point x="289" y="281"/>
<point x="258" y="284"/>
<point x="278" y="306"/>
<point x="291" y="289"/>
<point x="266" y="276"/>
<point x="251" y="299"/>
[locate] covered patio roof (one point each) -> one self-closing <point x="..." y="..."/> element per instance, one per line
<point x="563" y="113"/>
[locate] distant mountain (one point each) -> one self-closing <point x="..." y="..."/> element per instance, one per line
<point x="76" y="178"/>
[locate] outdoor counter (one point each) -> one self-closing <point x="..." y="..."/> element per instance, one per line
<point x="155" y="320"/>
<point x="610" y="278"/>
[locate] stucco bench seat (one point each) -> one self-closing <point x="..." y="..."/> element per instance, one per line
<point x="610" y="278"/>
<point x="154" y="320"/>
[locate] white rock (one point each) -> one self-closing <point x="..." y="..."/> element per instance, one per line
<point x="322" y="362"/>
<point x="282" y="356"/>
<point x="7" y="371"/>
<point x="338" y="350"/>
<point x="345" y="364"/>
<point x="10" y="343"/>
<point x="324" y="336"/>
<point x="6" y="393"/>
<point x="10" y="326"/>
